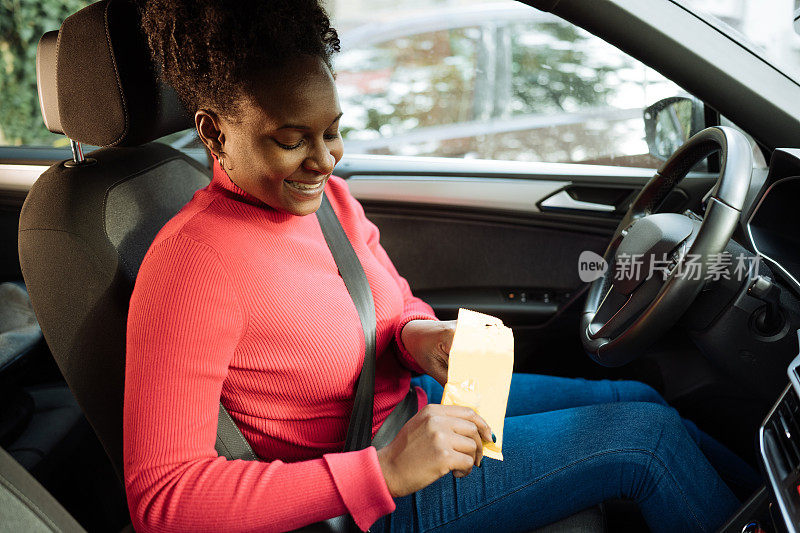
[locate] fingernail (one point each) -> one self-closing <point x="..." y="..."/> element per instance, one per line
<point x="494" y="437"/>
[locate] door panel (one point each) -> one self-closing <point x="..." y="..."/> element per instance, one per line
<point x="515" y="268"/>
<point x="475" y="234"/>
<point x="481" y="262"/>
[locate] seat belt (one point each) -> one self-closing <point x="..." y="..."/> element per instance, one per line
<point x="359" y="432"/>
<point x="231" y="443"/>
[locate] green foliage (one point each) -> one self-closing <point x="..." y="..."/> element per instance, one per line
<point x="22" y="23"/>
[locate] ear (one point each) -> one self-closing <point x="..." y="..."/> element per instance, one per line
<point x="209" y="128"/>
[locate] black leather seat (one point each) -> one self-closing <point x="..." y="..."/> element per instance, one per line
<point x="85" y="228"/>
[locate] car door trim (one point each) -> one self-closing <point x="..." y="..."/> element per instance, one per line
<point x="495" y="193"/>
<point x="19" y="177"/>
<point x="562" y="200"/>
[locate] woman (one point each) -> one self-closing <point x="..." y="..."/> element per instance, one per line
<point x="238" y="297"/>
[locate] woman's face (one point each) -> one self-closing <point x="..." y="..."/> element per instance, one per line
<point x="284" y="142"/>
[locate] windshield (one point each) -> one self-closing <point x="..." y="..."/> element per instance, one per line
<point x="765" y="25"/>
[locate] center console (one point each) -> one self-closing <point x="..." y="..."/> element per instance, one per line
<point x="777" y="506"/>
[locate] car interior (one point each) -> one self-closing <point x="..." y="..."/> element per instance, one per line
<point x="500" y="237"/>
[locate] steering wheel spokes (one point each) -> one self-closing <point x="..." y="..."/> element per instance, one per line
<point x="618" y="310"/>
<point x="608" y="314"/>
<point x="624" y="314"/>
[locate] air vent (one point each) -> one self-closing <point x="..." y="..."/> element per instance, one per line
<point x="783" y="430"/>
<point x="780" y="450"/>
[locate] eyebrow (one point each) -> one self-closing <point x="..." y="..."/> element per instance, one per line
<point x="300" y="127"/>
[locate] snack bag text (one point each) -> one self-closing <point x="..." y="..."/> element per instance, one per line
<point x="479" y="372"/>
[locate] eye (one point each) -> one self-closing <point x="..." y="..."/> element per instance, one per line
<point x="289" y="146"/>
<point x="331" y="136"/>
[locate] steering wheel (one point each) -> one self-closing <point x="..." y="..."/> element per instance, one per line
<point x="626" y="311"/>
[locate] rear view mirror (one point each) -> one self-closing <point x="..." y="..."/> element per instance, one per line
<point x="670" y="122"/>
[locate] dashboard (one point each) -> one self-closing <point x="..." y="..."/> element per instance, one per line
<point x="772" y="231"/>
<point x="779" y="447"/>
<point x="773" y="225"/>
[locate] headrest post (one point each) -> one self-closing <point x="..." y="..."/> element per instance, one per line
<point x="77" y="156"/>
<point x="77" y="152"/>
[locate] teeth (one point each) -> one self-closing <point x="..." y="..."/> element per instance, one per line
<point x="304" y="186"/>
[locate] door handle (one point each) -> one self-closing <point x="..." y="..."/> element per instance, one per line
<point x="562" y="201"/>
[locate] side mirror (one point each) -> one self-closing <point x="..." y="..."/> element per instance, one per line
<point x="670" y="122"/>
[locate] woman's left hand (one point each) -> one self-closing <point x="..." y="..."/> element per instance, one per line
<point x="429" y="341"/>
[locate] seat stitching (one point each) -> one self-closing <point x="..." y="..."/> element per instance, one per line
<point x="58" y="47"/>
<point x="33" y="507"/>
<point x="116" y="78"/>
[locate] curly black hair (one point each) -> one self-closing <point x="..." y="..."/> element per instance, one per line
<point x="211" y="51"/>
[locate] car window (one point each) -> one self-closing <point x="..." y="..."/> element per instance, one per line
<point x="188" y="142"/>
<point x="453" y="78"/>
<point x="392" y="89"/>
<point x="490" y="81"/>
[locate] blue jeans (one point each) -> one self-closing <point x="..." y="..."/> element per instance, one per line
<point x="570" y="444"/>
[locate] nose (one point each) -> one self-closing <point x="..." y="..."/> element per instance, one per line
<point x="320" y="159"/>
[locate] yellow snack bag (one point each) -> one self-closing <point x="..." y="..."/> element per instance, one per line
<point x="479" y="372"/>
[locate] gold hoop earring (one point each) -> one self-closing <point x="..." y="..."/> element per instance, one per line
<point x="221" y="162"/>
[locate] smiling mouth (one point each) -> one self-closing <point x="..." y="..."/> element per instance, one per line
<point x="305" y="187"/>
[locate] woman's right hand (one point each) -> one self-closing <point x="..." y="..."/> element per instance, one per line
<point x="437" y="440"/>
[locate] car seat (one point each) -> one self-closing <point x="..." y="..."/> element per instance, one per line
<point x="26" y="506"/>
<point x="40" y="424"/>
<point x="87" y="223"/>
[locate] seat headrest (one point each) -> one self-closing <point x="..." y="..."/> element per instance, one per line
<point x="46" y="80"/>
<point x="97" y="84"/>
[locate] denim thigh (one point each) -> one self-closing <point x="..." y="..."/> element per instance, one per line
<point x="560" y="462"/>
<point x="536" y="393"/>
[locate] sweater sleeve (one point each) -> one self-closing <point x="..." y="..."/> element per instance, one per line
<point x="413" y="308"/>
<point x="184" y="324"/>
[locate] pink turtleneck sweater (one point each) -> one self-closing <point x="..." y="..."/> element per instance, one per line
<point x="237" y="300"/>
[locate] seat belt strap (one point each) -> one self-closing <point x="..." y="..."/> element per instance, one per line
<point x="402" y="413"/>
<point x="231" y="443"/>
<point x="359" y="432"/>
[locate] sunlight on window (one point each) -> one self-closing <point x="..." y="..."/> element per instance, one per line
<point x="489" y="80"/>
